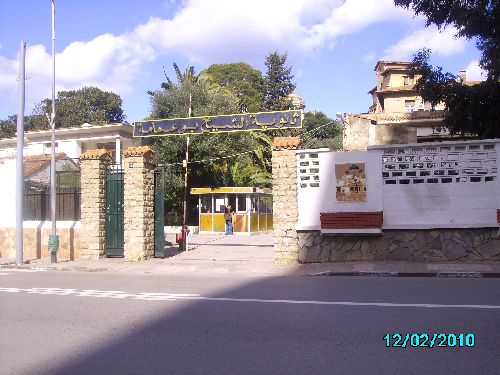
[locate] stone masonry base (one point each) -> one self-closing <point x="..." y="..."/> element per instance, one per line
<point x="481" y="244"/>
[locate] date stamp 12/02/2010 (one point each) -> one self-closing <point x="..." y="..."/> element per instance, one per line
<point x="434" y="340"/>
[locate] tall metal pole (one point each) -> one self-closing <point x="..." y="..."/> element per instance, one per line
<point x="53" y="239"/>
<point x="186" y="161"/>
<point x="19" y="157"/>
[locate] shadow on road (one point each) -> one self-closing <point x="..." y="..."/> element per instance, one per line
<point x="258" y="337"/>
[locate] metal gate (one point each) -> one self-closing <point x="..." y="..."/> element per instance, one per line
<point x="159" y="212"/>
<point x="114" y="211"/>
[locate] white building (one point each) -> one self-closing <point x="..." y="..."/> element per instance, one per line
<point x="74" y="141"/>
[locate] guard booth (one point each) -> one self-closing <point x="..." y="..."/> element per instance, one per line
<point x="253" y="208"/>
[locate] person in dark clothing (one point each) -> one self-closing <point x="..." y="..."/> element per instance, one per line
<point x="228" y="217"/>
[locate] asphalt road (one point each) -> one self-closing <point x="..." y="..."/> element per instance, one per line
<point x="108" y="323"/>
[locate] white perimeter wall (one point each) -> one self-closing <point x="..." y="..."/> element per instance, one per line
<point x="408" y="204"/>
<point x="8" y="192"/>
<point x="453" y="204"/>
<point x="313" y="200"/>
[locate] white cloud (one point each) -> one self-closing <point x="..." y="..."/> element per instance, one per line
<point x="441" y="43"/>
<point x="352" y="16"/>
<point x="474" y="72"/>
<point x="109" y="62"/>
<point x="204" y="31"/>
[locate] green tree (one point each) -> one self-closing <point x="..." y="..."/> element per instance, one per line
<point x="320" y="131"/>
<point x="249" y="175"/>
<point x="241" y="79"/>
<point x="76" y="107"/>
<point x="210" y="164"/>
<point x="277" y="82"/>
<point x="470" y="110"/>
<point x="174" y="98"/>
<point x="478" y="19"/>
<point x="8" y="127"/>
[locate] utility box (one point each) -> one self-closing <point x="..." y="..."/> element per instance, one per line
<point x="53" y="242"/>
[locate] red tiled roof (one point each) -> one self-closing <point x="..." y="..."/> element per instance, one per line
<point x="35" y="163"/>
<point x="397" y="89"/>
<point x="137" y="151"/>
<point x="403" y="116"/>
<point x="285" y="143"/>
<point x="391" y="64"/>
<point x="472" y="83"/>
<point x="94" y="154"/>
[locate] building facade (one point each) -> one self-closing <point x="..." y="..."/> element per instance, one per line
<point x="398" y="114"/>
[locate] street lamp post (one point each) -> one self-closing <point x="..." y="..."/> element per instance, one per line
<point x="19" y="158"/>
<point x="53" y="238"/>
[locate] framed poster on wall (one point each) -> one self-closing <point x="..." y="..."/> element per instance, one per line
<point x="350" y="182"/>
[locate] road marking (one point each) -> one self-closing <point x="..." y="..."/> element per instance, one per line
<point x="24" y="270"/>
<point x="196" y="297"/>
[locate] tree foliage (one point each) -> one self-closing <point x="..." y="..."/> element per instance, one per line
<point x="224" y="159"/>
<point x="241" y="79"/>
<point x="8" y="127"/>
<point x="470" y="109"/>
<point x="210" y="155"/>
<point x="479" y="19"/>
<point x="277" y="82"/>
<point x="76" y="107"/>
<point x="320" y="131"/>
<point x="73" y="108"/>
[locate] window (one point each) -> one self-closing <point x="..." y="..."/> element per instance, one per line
<point x="219" y="203"/>
<point x="253" y="203"/>
<point x="242" y="203"/>
<point x="407" y="81"/>
<point x="206" y="204"/>
<point x="409" y="105"/>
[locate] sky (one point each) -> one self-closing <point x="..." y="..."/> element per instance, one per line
<point x="127" y="46"/>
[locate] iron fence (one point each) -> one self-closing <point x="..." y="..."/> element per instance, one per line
<point x="36" y="205"/>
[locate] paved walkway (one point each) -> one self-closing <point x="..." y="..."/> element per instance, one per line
<point x="242" y="255"/>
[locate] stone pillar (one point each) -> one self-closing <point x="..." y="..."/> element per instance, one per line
<point x="93" y="165"/>
<point x="285" y="203"/>
<point x="139" y="203"/>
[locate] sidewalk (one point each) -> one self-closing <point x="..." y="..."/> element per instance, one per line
<point x="242" y="255"/>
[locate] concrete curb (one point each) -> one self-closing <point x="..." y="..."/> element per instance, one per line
<point x="53" y="268"/>
<point x="441" y="274"/>
<point x="444" y="274"/>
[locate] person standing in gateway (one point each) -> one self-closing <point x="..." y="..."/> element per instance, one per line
<point x="228" y="217"/>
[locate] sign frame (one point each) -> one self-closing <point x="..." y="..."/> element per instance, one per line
<point x="260" y="121"/>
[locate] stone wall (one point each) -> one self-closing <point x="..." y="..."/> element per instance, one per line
<point x="285" y="203"/>
<point x="361" y="133"/>
<point x="93" y="165"/>
<point x="36" y="237"/>
<point x="393" y="134"/>
<point x="139" y="203"/>
<point x="356" y="134"/>
<point x="474" y="244"/>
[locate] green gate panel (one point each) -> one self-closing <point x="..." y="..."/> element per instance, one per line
<point x="114" y="226"/>
<point x="159" y="214"/>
